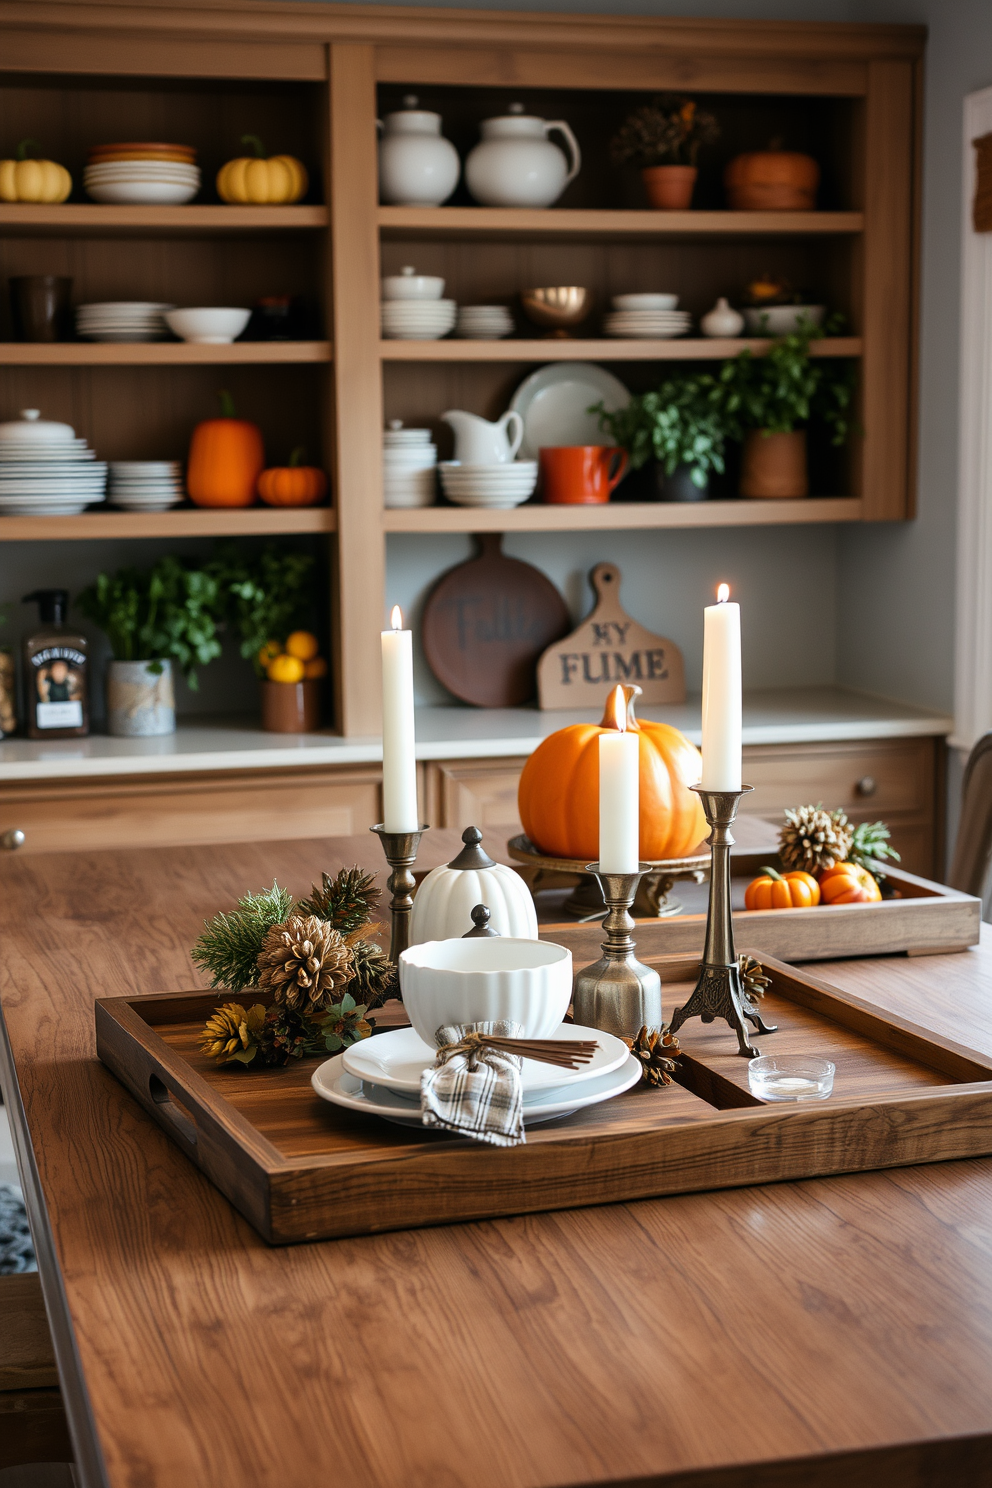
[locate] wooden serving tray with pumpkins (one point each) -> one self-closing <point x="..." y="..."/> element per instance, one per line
<point x="299" y="1168"/>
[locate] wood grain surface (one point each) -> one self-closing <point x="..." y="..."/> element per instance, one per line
<point x="745" y="1336"/>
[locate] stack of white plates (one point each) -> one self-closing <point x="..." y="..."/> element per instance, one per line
<point x="409" y="462"/>
<point x="417" y="320"/>
<point x="483" y="322"/>
<point x="150" y="174"/>
<point x="122" y="320"/>
<point x="146" y="485"/>
<point x="649" y="316"/>
<point x="57" y="480"/>
<point x="489" y="485"/>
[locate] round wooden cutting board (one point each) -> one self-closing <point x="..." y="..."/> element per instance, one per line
<point x="485" y="624"/>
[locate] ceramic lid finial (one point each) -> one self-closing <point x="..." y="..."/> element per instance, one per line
<point x="472" y="855"/>
<point x="480" y="924"/>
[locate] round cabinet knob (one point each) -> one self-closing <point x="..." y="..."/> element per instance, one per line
<point x="12" y="839"/>
<point x="866" y="786"/>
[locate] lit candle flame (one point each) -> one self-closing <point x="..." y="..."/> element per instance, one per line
<point x="396" y="618"/>
<point x="722" y="593"/>
<point x="615" y="714"/>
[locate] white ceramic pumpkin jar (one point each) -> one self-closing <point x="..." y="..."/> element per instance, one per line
<point x="443" y="905"/>
<point x="418" y="167"/>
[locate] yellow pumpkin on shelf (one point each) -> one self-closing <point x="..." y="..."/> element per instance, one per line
<point x="24" y="180"/>
<point x="260" y="179"/>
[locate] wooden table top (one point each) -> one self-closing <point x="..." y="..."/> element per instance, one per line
<point x="740" y="1338"/>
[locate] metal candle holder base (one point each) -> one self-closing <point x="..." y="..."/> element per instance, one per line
<point x="618" y="993"/>
<point x="719" y="991"/>
<point x="400" y="849"/>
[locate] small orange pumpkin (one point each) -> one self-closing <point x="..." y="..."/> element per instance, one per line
<point x="795" y="890"/>
<point x="226" y="456"/>
<point x="558" y="796"/>
<point x="294" y="484"/>
<point x="848" y="883"/>
<point x="772" y="180"/>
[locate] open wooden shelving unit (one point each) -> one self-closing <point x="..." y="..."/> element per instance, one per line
<point x="311" y="80"/>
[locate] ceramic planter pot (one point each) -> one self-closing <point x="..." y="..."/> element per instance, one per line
<point x="670" y="187"/>
<point x="680" y="486"/>
<point x="140" y="702"/>
<point x="291" y="707"/>
<point x="774" y="465"/>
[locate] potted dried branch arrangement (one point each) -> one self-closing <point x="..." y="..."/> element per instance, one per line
<point x="663" y="138"/>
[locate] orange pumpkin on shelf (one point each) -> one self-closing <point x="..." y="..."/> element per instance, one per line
<point x="294" y="484"/>
<point x="795" y="890"/>
<point x="772" y="180"/>
<point x="558" y="796"/>
<point x="226" y="457"/>
<point x="848" y="883"/>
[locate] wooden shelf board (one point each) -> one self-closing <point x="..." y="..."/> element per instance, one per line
<point x="614" y="516"/>
<point x="602" y="349"/>
<point x="188" y="522"/>
<point x="158" y="353"/>
<point x="518" y="222"/>
<point x="94" y="219"/>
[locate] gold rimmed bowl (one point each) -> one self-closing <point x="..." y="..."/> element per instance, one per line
<point x="558" y="307"/>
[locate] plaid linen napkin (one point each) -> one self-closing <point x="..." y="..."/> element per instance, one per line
<point x="475" y="1093"/>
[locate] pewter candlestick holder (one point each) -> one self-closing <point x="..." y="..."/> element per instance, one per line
<point x="400" y="849"/>
<point x="719" y="991"/>
<point x="618" y="993"/>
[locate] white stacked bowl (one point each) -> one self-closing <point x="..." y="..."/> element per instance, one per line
<point x="122" y="320"/>
<point x="409" y="465"/>
<point x="45" y="470"/>
<point x="417" y="320"/>
<point x="483" y="322"/>
<point x="781" y="320"/>
<point x="647" y="316"/>
<point x="489" y="485"/>
<point x="147" y="182"/>
<point x="145" y="485"/>
<point x="208" y="325"/>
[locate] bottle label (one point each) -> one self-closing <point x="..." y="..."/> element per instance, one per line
<point x="59" y="715"/>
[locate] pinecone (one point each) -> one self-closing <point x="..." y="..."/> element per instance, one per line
<point x="753" y="978"/>
<point x="813" y="839"/>
<point x="287" y="1034"/>
<point x="233" y="1034"/>
<point x="375" y="978"/>
<point x="346" y="901"/>
<point x="303" y="962"/>
<point x="658" y="1053"/>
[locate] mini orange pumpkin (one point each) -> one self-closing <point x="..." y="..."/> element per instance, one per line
<point x="558" y="796"/>
<point x="226" y="456"/>
<point x="848" y="883"/>
<point x="294" y="484"/>
<point x="795" y="890"/>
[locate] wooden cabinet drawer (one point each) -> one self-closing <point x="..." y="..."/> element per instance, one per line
<point x="243" y="806"/>
<point x="473" y="793"/>
<point x="866" y="778"/>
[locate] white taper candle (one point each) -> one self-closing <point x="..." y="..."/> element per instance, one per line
<point x="399" y="759"/>
<point x="722" y="694"/>
<point x="619" y="793"/>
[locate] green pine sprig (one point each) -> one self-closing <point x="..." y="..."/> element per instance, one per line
<point x="870" y="847"/>
<point x="230" y="944"/>
<point x="345" y="901"/>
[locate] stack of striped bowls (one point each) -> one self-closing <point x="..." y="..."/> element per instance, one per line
<point x="159" y="174"/>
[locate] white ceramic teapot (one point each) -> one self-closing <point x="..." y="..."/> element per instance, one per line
<point x="516" y="165"/>
<point x="418" y="167"/>
<point x="478" y="442"/>
<point x="442" y="908"/>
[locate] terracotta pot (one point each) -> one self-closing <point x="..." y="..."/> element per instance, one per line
<point x="670" y="187"/>
<point x="291" y="707"/>
<point x="581" y="474"/>
<point x="774" y="465"/>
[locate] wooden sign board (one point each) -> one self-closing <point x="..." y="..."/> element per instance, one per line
<point x="609" y="647"/>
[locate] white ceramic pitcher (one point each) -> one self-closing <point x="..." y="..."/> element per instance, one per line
<point x="418" y="167"/>
<point x="516" y="165"/>
<point x="478" y="442"/>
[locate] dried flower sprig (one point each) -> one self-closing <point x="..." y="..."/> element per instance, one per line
<point x="667" y="131"/>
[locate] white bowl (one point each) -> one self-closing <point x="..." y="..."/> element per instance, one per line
<point x="207" y="325"/>
<point x="645" y="302"/>
<point x="486" y="980"/>
<point x="143" y="193"/>
<point x="31" y="430"/>
<point x="781" y="320"/>
<point x="409" y="285"/>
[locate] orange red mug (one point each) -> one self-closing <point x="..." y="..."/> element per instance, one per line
<point x="581" y="474"/>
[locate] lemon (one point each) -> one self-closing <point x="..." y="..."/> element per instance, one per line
<point x="315" y="668"/>
<point x="302" y="644"/>
<point x="285" y="669"/>
<point x="270" y="650"/>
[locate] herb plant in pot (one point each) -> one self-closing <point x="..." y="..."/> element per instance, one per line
<point x="153" y="618"/>
<point x="680" y="426"/>
<point x="768" y="402"/>
<point x="663" y="138"/>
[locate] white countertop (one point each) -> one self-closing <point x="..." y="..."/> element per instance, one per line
<point x="786" y="716"/>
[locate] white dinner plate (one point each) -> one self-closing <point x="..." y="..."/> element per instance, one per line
<point x="332" y="1082"/>
<point x="70" y="509"/>
<point x="397" y="1059"/>
<point x="142" y="193"/>
<point x="553" y="401"/>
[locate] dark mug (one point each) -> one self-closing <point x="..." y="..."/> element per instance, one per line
<point x="40" y="307"/>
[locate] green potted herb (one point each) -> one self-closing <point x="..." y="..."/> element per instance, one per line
<point x="663" y="138"/>
<point x="680" y="426"/>
<point x="768" y="402"/>
<point x="152" y="618"/>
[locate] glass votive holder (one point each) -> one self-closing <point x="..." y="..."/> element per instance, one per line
<point x="790" y="1077"/>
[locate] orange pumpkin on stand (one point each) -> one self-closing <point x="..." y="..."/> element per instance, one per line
<point x="226" y="457"/>
<point x="294" y="484"/>
<point x="558" y="796"/>
<point x="848" y="883"/>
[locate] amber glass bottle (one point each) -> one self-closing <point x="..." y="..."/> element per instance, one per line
<point x="56" y="672"/>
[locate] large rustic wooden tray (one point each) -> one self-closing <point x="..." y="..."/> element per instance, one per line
<point x="300" y="1169"/>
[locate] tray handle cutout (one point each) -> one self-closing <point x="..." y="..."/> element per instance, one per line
<point x="183" y="1126"/>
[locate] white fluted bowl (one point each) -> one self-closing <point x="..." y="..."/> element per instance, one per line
<point x="486" y="979"/>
